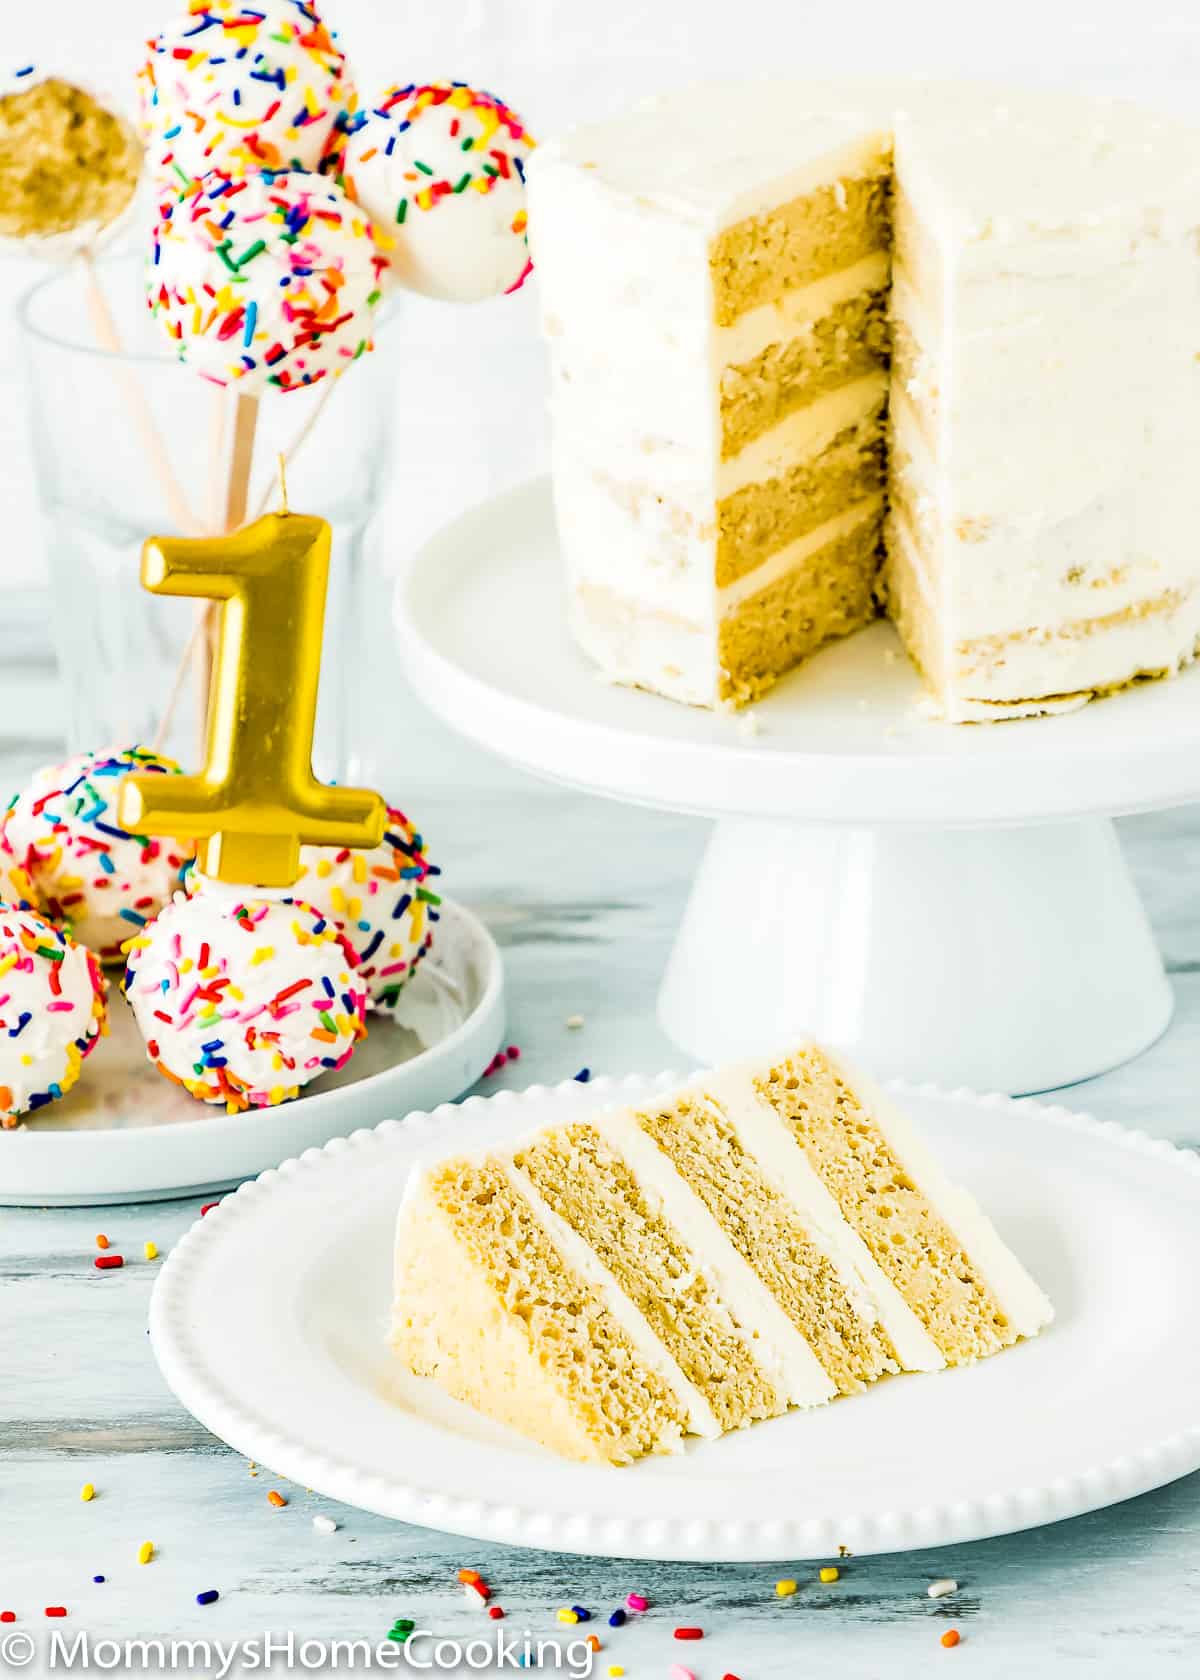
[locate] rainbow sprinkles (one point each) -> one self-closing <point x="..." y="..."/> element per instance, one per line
<point x="52" y="1012"/>
<point x="244" y="1000"/>
<point x="442" y="166"/>
<point x="266" y="281"/>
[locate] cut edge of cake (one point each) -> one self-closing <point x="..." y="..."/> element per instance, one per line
<point x="767" y="1236"/>
<point x="712" y="278"/>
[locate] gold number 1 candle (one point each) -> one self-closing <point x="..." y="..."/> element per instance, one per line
<point x="256" y="801"/>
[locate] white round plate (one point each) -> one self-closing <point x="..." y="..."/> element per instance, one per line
<point x="844" y="739"/>
<point x="126" y="1134"/>
<point x="270" y="1322"/>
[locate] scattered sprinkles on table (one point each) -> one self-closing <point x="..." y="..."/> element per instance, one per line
<point x="53" y="1012"/>
<point x="61" y="844"/>
<point x="265" y="282"/>
<point x="242" y="87"/>
<point x="501" y="1059"/>
<point x="441" y="168"/>
<point x="244" y="1001"/>
<point x="382" y="900"/>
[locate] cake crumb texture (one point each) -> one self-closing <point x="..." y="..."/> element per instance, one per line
<point x="588" y="1184"/>
<point x="704" y="1149"/>
<point x="65" y="161"/>
<point x="486" y="1306"/>
<point x="908" y="1238"/>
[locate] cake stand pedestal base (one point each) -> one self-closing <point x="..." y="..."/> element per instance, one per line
<point x="949" y="903"/>
<point x="1012" y="959"/>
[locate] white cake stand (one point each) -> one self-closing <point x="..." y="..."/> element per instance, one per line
<point x="948" y="902"/>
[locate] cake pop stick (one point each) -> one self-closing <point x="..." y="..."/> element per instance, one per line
<point x="69" y="170"/>
<point x="140" y="416"/>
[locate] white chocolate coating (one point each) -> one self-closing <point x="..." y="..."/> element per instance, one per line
<point x="441" y="170"/>
<point x="382" y="900"/>
<point x="244" y="999"/>
<point x="62" y="845"/>
<point x="268" y="281"/>
<point x="264" y="87"/>
<point x="52" y="1012"/>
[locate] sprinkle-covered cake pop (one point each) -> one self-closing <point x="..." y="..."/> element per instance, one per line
<point x="240" y="88"/>
<point x="60" y="839"/>
<point x="52" y="1012"/>
<point x="267" y="281"/>
<point x="382" y="901"/>
<point x="243" y="1000"/>
<point x="441" y="168"/>
<point x="69" y="165"/>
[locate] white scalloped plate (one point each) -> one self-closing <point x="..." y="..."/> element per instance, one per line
<point x="269" y="1322"/>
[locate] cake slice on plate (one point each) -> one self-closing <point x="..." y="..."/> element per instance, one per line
<point x="765" y="1237"/>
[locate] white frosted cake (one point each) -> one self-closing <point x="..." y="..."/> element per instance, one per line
<point x="823" y="349"/>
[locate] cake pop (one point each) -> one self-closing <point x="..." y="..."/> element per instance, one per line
<point x="52" y="1011"/>
<point x="69" y="164"/>
<point x="379" y="899"/>
<point x="241" y="88"/>
<point x="61" y="844"/>
<point x="441" y="168"/>
<point x="266" y="281"/>
<point x="243" y="999"/>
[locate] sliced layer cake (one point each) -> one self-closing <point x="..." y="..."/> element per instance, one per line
<point x="764" y="1238"/>
<point x="818" y="349"/>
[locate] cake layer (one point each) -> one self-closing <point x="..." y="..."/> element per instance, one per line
<point x="837" y="224"/>
<point x="766" y="1236"/>
<point x="520" y="1333"/>
<point x="762" y="518"/>
<point x="706" y="1151"/>
<point x="879" y="1196"/>
<point x="841" y="346"/>
<point x="817" y="591"/>
<point x="585" y="1181"/>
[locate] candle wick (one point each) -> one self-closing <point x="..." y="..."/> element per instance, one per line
<point x="283" y="499"/>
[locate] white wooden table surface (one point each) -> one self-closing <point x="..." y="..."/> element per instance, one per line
<point x="583" y="897"/>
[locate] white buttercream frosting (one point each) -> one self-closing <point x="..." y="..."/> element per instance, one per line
<point x="1047" y="278"/>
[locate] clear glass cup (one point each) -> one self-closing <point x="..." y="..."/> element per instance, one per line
<point x="128" y="443"/>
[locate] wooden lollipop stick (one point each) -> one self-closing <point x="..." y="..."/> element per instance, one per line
<point x="237" y="495"/>
<point x="142" y="419"/>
